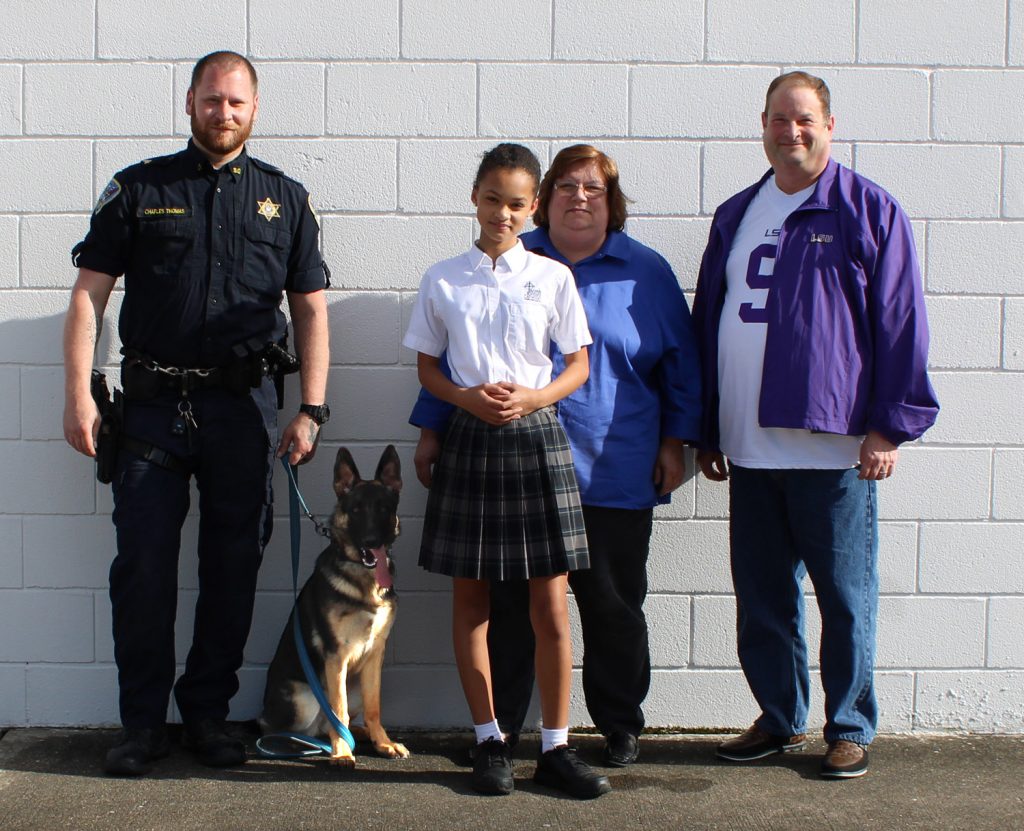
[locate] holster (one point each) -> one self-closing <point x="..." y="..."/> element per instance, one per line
<point x="111" y="419"/>
<point x="254" y="361"/>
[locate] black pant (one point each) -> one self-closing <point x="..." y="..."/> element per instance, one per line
<point x="610" y="596"/>
<point x="232" y="459"/>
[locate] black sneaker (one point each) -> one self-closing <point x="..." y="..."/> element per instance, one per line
<point x="512" y="739"/>
<point x="561" y="768"/>
<point x="621" y="749"/>
<point x="135" y="749"/>
<point x="492" y="768"/>
<point x="209" y="741"/>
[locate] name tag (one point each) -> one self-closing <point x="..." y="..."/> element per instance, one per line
<point x="165" y="211"/>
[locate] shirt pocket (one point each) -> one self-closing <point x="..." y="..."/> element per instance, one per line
<point x="165" y="247"/>
<point x="528" y="327"/>
<point x="265" y="261"/>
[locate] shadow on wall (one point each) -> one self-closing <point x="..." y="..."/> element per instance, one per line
<point x="371" y="392"/>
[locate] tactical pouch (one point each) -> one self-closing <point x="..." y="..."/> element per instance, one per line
<point x="236" y="377"/>
<point x="140" y="383"/>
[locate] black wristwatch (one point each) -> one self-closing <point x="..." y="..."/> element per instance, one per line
<point x="321" y="413"/>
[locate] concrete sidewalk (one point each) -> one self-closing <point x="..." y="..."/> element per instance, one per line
<point x="52" y="779"/>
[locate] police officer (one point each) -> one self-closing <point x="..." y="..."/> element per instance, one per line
<point x="208" y="241"/>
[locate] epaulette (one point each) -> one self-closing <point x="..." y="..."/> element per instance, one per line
<point x="266" y="167"/>
<point x="162" y="160"/>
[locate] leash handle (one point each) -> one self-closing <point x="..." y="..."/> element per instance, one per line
<point x="315" y="746"/>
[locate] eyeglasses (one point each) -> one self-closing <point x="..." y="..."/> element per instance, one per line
<point x="592" y="190"/>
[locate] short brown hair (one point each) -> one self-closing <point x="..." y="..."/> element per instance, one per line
<point x="802" y="79"/>
<point x="222" y="60"/>
<point x="566" y="158"/>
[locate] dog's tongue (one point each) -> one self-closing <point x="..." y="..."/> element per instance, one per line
<point x="381" y="570"/>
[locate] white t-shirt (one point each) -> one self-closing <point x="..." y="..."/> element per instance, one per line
<point x="498" y="323"/>
<point x="741" y="338"/>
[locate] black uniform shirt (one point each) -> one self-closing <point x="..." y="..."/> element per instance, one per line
<point x="206" y="254"/>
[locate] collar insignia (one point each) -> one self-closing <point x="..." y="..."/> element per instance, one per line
<point x="268" y="210"/>
<point x="237" y="171"/>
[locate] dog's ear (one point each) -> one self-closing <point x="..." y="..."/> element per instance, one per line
<point x="346" y="474"/>
<point x="389" y="469"/>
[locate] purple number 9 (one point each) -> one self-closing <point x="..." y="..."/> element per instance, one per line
<point x="761" y="257"/>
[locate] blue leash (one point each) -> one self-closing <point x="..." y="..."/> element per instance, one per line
<point x="314" y="746"/>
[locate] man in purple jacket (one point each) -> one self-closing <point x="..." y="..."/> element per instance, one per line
<point x="811" y="323"/>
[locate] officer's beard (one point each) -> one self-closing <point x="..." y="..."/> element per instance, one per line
<point x="219" y="142"/>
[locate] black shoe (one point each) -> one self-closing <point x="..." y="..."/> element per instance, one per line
<point x="492" y="768"/>
<point x="209" y="741"/>
<point x="561" y="768"/>
<point x="621" y="749"/>
<point x="136" y="747"/>
<point x="512" y="739"/>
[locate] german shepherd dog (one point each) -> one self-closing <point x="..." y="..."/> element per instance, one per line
<point x="345" y="610"/>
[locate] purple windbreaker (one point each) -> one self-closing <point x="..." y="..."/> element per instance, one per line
<point x="847" y="344"/>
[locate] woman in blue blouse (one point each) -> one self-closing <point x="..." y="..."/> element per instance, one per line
<point x="626" y="427"/>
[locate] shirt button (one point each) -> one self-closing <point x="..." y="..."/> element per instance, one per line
<point x="218" y="190"/>
<point x="213" y="301"/>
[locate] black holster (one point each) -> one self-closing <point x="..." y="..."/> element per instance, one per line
<point x="111" y="418"/>
<point x="254" y="361"/>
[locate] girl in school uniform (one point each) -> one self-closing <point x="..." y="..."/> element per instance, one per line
<point x="503" y="502"/>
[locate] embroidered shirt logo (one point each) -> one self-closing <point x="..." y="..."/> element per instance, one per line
<point x="268" y="210"/>
<point x="820" y="238"/>
<point x="531" y="292"/>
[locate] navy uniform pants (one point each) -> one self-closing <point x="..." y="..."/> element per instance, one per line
<point x="231" y="456"/>
<point x="610" y="597"/>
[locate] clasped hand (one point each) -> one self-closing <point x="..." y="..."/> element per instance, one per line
<point x="500" y="403"/>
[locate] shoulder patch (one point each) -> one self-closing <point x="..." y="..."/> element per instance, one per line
<point x="110" y="193"/>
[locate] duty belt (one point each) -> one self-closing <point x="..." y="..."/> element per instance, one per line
<point x="145" y="378"/>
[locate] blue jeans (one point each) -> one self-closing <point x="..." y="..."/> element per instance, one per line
<point x="785" y="524"/>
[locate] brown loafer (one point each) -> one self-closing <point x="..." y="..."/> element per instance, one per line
<point x="844" y="760"/>
<point x="755" y="743"/>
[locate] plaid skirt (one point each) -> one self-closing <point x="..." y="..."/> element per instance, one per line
<point x="503" y="502"/>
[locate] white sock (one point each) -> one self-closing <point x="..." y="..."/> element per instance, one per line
<point x="550" y="739"/>
<point x="488" y="730"/>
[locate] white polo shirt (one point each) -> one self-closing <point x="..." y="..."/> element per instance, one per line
<point x="498" y="323"/>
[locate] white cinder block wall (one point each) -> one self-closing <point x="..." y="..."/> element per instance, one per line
<point x="381" y="107"/>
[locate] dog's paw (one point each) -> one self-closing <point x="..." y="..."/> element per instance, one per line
<point x="348" y="762"/>
<point x="394" y="750"/>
